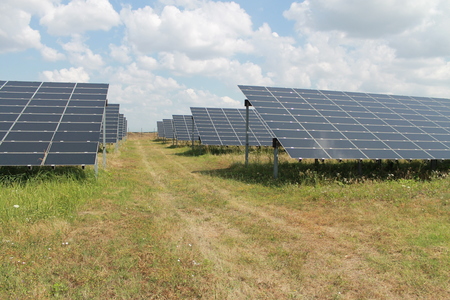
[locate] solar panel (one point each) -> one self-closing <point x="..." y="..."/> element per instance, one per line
<point x="125" y="127"/>
<point x="112" y="124"/>
<point x="121" y="126"/>
<point x="168" y="129"/>
<point x="183" y="127"/>
<point x="44" y="123"/>
<point x="350" y="125"/>
<point x="160" y="126"/>
<point x="227" y="126"/>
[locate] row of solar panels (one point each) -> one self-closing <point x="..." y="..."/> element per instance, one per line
<point x="328" y="124"/>
<point x="216" y="126"/>
<point x="52" y="123"/>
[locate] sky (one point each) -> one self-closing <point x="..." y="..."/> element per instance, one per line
<point x="161" y="57"/>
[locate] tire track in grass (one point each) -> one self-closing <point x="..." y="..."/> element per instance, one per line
<point x="240" y="270"/>
<point x="309" y="260"/>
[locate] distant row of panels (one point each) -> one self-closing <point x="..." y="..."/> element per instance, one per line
<point x="216" y="126"/>
<point x="329" y="124"/>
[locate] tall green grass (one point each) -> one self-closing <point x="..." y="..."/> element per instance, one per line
<point x="313" y="173"/>
<point x="27" y="196"/>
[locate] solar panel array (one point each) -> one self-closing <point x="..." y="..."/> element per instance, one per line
<point x="160" y="127"/>
<point x="112" y="124"/>
<point x="349" y="125"/>
<point x="50" y="123"/>
<point x="184" y="126"/>
<point x="122" y="126"/>
<point x="168" y="129"/>
<point x="227" y="126"/>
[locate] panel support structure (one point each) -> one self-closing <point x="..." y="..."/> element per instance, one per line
<point x="104" y="139"/>
<point x="193" y="130"/>
<point x="247" y="126"/>
<point x="275" y="144"/>
<point x="433" y="164"/>
<point x="96" y="167"/>
<point x="360" y="167"/>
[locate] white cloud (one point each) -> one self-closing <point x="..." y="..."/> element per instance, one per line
<point x="147" y="62"/>
<point x="413" y="28"/>
<point x="201" y="98"/>
<point x="120" y="53"/>
<point x="15" y="31"/>
<point x="80" y="16"/>
<point x="50" y="54"/>
<point x="191" y="4"/>
<point x="212" y="30"/>
<point x="66" y="75"/>
<point x="224" y="69"/>
<point x="32" y="6"/>
<point x="79" y="54"/>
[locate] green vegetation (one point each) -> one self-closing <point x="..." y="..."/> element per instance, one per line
<point x="161" y="223"/>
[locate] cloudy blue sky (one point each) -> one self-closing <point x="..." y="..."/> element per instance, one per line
<point x="161" y="57"/>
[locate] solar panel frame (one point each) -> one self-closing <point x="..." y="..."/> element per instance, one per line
<point x="37" y="114"/>
<point x="227" y="127"/>
<point x="160" y="127"/>
<point x="112" y="124"/>
<point x="183" y="127"/>
<point x="168" y="129"/>
<point x="351" y="125"/>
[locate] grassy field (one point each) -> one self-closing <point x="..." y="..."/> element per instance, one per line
<point x="159" y="223"/>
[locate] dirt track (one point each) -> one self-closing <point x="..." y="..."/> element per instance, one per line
<point x="257" y="251"/>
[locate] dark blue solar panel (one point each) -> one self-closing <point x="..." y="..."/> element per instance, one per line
<point x="227" y="126"/>
<point x="38" y="120"/>
<point x="353" y="125"/>
<point x="183" y="126"/>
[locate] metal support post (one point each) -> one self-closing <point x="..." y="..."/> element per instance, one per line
<point x="96" y="167"/>
<point x="433" y="164"/>
<point x="275" y="145"/>
<point x="104" y="139"/>
<point x="360" y="167"/>
<point x="192" y="136"/>
<point x="247" y="126"/>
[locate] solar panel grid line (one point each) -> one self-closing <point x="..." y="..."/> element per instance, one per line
<point x="15" y="121"/>
<point x="243" y="114"/>
<point x="191" y="128"/>
<point x="374" y="129"/>
<point x="168" y="128"/>
<point x="399" y="131"/>
<point x="310" y="136"/>
<point x="183" y="127"/>
<point x="178" y="127"/>
<point x="42" y="120"/>
<point x="332" y="100"/>
<point x="160" y="128"/>
<point x="364" y="126"/>
<point x="227" y="126"/>
<point x="186" y="127"/>
<point x="232" y="127"/>
<point x="57" y="126"/>
<point x="426" y="138"/>
<point x="251" y="129"/>
<point x="335" y="98"/>
<point x="111" y="117"/>
<point x="214" y="127"/>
